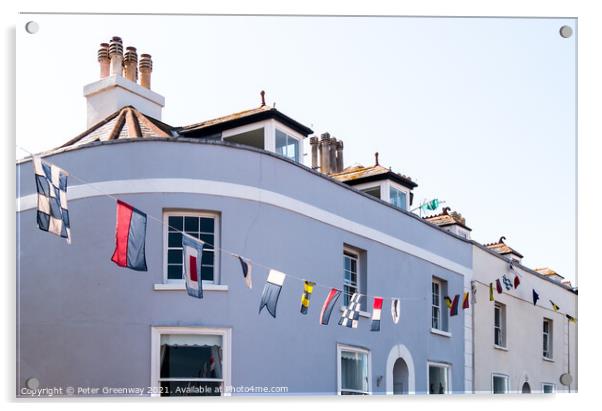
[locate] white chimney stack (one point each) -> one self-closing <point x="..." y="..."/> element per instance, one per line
<point x="117" y="86"/>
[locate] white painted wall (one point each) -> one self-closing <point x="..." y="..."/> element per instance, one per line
<point x="523" y="359"/>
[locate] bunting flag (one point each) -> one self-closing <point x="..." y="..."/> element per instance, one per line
<point x="448" y="301"/>
<point x="193" y="254"/>
<point x="554" y="306"/>
<point x="328" y="305"/>
<point x="377" y="308"/>
<point x="491" y="292"/>
<point x="430" y="205"/>
<point x="395" y="310"/>
<point x="507" y="282"/>
<point x="466" y="303"/>
<point x="498" y="286"/>
<point x="271" y="292"/>
<point x="516" y="280"/>
<point x="473" y="289"/>
<point x="454" y="307"/>
<point x="51" y="185"/>
<point x="308" y="288"/>
<point x="535" y="297"/>
<point x="571" y="318"/>
<point x="247" y="270"/>
<point x="351" y="315"/>
<point x="130" y="237"/>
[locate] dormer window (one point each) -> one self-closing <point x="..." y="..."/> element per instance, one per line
<point x="398" y="198"/>
<point x="287" y="145"/>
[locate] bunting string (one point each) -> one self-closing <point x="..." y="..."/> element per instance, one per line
<point x="229" y="252"/>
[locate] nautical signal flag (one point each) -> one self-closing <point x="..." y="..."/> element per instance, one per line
<point x="377" y="308"/>
<point x="571" y="318"/>
<point x="271" y="292"/>
<point x="535" y="297"/>
<point x="328" y="305"/>
<point x="491" y="292"/>
<point x="247" y="270"/>
<point x="193" y="254"/>
<point x="516" y="280"/>
<point x="351" y="315"/>
<point x="473" y="289"/>
<point x="554" y="306"/>
<point x="453" y="310"/>
<point x="498" y="286"/>
<point x="51" y="185"/>
<point x="448" y="301"/>
<point x="308" y="288"/>
<point x="466" y="303"/>
<point x="507" y="282"/>
<point x="130" y="237"/>
<point x="395" y="310"/>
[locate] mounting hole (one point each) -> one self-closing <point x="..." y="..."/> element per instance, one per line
<point x="566" y="31"/>
<point x="32" y="383"/>
<point x="32" y="27"/>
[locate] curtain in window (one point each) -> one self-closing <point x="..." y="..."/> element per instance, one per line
<point x="354" y="371"/>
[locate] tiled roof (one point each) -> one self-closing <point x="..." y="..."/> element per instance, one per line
<point x="502" y="248"/>
<point x="359" y="172"/>
<point x="446" y="218"/>
<point x="124" y="123"/>
<point x="241" y="118"/>
<point x="547" y="271"/>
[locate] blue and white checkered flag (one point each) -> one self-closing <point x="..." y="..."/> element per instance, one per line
<point x="351" y="315"/>
<point x="51" y="184"/>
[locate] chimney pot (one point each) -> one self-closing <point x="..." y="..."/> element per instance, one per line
<point x="130" y="64"/>
<point x="116" y="56"/>
<point x="340" y="163"/>
<point x="313" y="141"/>
<point x="146" y="68"/>
<point x="104" y="60"/>
<point x="325" y="153"/>
<point x="332" y="152"/>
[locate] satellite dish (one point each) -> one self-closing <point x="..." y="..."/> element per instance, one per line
<point x="566" y="379"/>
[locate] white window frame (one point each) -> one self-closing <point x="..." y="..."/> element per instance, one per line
<point x="156" y="332"/>
<point x="549" y="384"/>
<point x="506" y="380"/>
<point x="503" y="325"/>
<point x="448" y="376"/>
<point x="549" y="355"/>
<point x="351" y="348"/>
<point x="289" y="135"/>
<point x="354" y="254"/>
<point x="216" y="247"/>
<point x="439" y="284"/>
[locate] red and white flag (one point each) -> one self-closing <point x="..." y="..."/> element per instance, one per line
<point x="377" y="308"/>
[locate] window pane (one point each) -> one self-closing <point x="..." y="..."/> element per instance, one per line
<point x="293" y="149"/>
<point x="354" y="371"/>
<point x="208" y="257"/>
<point x="207" y="272"/>
<point x="206" y="225"/>
<point x="191" y="224"/>
<point x="209" y="239"/>
<point x="437" y="380"/>
<point x="174" y="240"/>
<point x="374" y="191"/>
<point x="280" y="142"/>
<point x="174" y="256"/>
<point x="174" y="271"/>
<point x="499" y="385"/>
<point x="398" y="198"/>
<point x="176" y="223"/>
<point x="191" y="356"/>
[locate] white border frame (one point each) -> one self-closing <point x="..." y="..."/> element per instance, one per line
<point x="447" y="367"/>
<point x="344" y="347"/>
<point x="225" y="333"/>
<point x="167" y="212"/>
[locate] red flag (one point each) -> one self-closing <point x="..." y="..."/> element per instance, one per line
<point x="516" y="281"/>
<point x="498" y="286"/>
<point x="454" y="306"/>
<point x="466" y="304"/>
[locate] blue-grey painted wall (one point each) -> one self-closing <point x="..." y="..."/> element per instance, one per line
<point x="84" y="321"/>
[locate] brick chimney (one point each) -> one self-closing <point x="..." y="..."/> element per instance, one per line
<point x="117" y="86"/>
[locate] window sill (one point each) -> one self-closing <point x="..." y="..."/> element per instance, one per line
<point x="499" y="347"/>
<point x="441" y="332"/>
<point x="547" y="359"/>
<point x="182" y="287"/>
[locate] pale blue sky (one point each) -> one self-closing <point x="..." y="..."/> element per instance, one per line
<point x="480" y="112"/>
